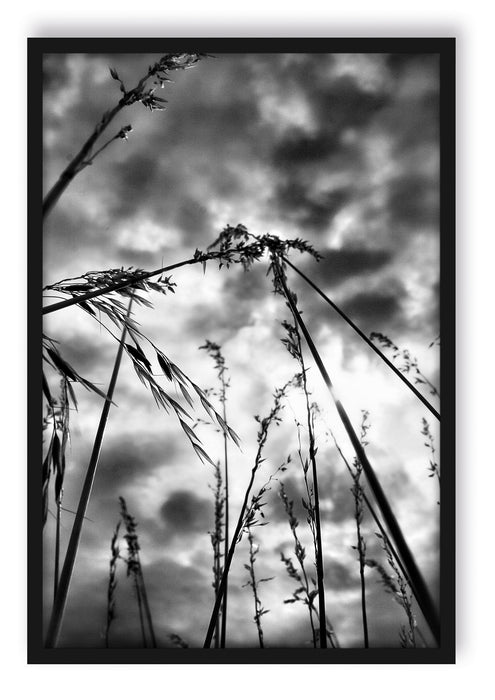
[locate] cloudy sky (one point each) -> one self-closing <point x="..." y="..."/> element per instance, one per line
<point x="340" y="150"/>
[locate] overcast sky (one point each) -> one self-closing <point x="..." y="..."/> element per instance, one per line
<point x="339" y="150"/>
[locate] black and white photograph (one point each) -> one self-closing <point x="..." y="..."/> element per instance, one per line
<point x="247" y="321"/>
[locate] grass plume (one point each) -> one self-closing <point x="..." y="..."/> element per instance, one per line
<point x="112" y="582"/>
<point x="135" y="570"/>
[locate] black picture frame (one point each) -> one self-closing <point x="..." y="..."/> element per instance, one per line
<point x="445" y="48"/>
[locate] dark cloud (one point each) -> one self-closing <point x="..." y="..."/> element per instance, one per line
<point x="55" y="72"/>
<point x="413" y="118"/>
<point x="339" y="577"/>
<point x="192" y="217"/>
<point x="297" y="148"/>
<point x="413" y="202"/>
<point x="343" y="104"/>
<point x="138" y="258"/>
<point x="375" y="309"/>
<point x="185" y="513"/>
<point x="250" y="284"/>
<point x="341" y="264"/>
<point x="139" y="183"/>
<point x="399" y="63"/>
<point x="179" y="598"/>
<point x="295" y="491"/>
<point x="336" y="502"/>
<point x="238" y="117"/>
<point x="397" y="483"/>
<point x="242" y="289"/>
<point x="88" y="593"/>
<point x="136" y="178"/>
<point x="298" y="203"/>
<point x="63" y="242"/>
<point x="86" y="355"/>
<point x="125" y="458"/>
<point x="338" y="492"/>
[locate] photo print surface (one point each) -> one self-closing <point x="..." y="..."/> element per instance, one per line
<point x="241" y="352"/>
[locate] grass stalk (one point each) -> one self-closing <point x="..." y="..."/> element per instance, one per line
<point x="365" y="338"/>
<point x="70" y="557"/>
<point x="223" y="631"/>
<point x="316" y="505"/>
<point x="357" y="492"/>
<point x="358" y="495"/>
<point x="216" y="540"/>
<point x="254" y="584"/>
<point x="146" y="605"/>
<point x="301" y="579"/>
<point x="418" y="584"/>
<point x="375" y="516"/>
<point x="214" y="350"/>
<point x="137" y="590"/>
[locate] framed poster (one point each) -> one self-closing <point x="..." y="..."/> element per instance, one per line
<point x="246" y="251"/>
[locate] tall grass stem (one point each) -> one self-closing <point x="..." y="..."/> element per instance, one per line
<point x="223" y="631"/>
<point x="56" y="572"/>
<point x="147" y="611"/>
